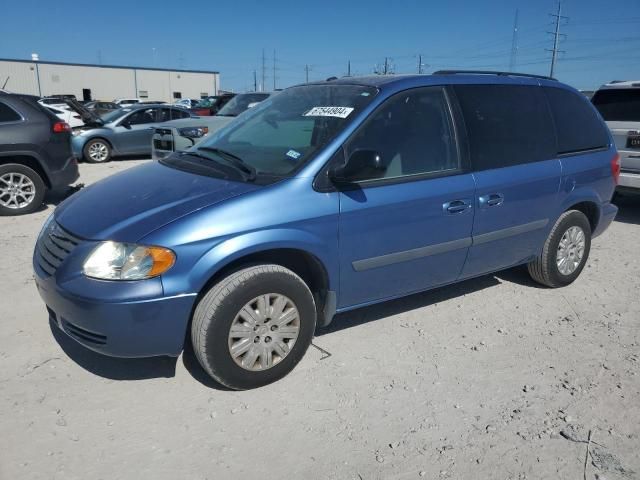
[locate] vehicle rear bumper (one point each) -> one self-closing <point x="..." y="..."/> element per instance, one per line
<point x="137" y="328"/>
<point x="629" y="180"/>
<point x="68" y="174"/>
<point x="607" y="214"/>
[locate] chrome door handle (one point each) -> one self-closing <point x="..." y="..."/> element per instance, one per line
<point x="456" y="206"/>
<point x="491" y="200"/>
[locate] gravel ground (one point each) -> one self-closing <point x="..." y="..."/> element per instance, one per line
<point x="492" y="378"/>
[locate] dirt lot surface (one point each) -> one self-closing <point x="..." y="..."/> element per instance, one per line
<point x="494" y="378"/>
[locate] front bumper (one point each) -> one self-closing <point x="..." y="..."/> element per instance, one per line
<point x="147" y="325"/>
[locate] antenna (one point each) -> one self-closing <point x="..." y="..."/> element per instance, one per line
<point x="274" y="70"/>
<point x="264" y="71"/>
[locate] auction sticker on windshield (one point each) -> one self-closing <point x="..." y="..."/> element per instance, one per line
<point x="339" y="112"/>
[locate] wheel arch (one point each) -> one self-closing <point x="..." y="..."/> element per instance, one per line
<point x="590" y="210"/>
<point x="303" y="263"/>
<point x="28" y="160"/>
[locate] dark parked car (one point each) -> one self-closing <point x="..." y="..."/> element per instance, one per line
<point x="35" y="154"/>
<point x="211" y="105"/>
<point x="100" y="108"/>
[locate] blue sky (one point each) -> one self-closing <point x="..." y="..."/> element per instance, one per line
<point x="602" y="43"/>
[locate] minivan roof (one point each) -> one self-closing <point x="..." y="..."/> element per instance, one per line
<point x="443" y="77"/>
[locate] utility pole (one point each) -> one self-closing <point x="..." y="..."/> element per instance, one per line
<point x="348" y="68"/>
<point x="386" y="66"/>
<point x="274" y="70"/>
<point x="514" y="44"/>
<point x="264" y="71"/>
<point x="420" y="64"/>
<point x="306" y="73"/>
<point x="556" y="38"/>
<point x="255" y="81"/>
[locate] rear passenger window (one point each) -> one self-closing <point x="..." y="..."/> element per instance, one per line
<point x="412" y="132"/>
<point x="506" y="124"/>
<point x="578" y="126"/>
<point x="8" y="114"/>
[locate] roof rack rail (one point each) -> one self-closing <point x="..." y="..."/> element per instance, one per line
<point x="488" y="72"/>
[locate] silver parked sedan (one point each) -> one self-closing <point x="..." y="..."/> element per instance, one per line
<point x="126" y="131"/>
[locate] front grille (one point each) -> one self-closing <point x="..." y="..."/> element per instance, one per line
<point x="163" y="131"/>
<point x="82" y="334"/>
<point x="54" y="245"/>
<point x="163" y="144"/>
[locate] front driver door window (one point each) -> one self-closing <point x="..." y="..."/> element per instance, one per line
<point x="410" y="230"/>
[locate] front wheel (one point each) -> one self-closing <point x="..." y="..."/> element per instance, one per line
<point x="254" y="326"/>
<point x="565" y="251"/>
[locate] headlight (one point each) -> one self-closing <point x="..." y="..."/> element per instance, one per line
<point x="126" y="261"/>
<point x="193" y="132"/>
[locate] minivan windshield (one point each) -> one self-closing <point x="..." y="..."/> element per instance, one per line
<point x="240" y="103"/>
<point x="282" y="133"/>
<point x="618" y="104"/>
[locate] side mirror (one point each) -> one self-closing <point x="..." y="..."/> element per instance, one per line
<point x="126" y="124"/>
<point x="361" y="165"/>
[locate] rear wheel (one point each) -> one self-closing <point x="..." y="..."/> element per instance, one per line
<point x="565" y="252"/>
<point x="97" y="151"/>
<point x="254" y="326"/>
<point x="21" y="189"/>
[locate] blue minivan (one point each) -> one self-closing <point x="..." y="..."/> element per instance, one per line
<point x="322" y="199"/>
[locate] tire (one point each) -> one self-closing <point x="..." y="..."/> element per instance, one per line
<point x="220" y="309"/>
<point x="22" y="190"/>
<point x="545" y="269"/>
<point x="97" y="150"/>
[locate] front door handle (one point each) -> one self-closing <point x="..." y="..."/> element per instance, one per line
<point x="491" y="200"/>
<point x="456" y="206"/>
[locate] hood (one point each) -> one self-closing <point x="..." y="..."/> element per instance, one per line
<point x="88" y="117"/>
<point x="129" y="205"/>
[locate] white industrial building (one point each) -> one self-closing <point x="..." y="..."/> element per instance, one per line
<point x="105" y="82"/>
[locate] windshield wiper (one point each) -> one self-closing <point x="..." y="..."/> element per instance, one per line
<point x="236" y="161"/>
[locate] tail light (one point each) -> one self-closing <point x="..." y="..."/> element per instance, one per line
<point x="615" y="168"/>
<point x="61" y="127"/>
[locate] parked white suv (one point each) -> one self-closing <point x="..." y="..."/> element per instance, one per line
<point x="126" y="102"/>
<point x="619" y="104"/>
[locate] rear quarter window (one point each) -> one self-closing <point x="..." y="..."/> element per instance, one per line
<point x="8" y="114"/>
<point x="618" y="105"/>
<point x="577" y="124"/>
<point x="506" y="125"/>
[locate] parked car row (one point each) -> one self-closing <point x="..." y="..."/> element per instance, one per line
<point x="99" y="130"/>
